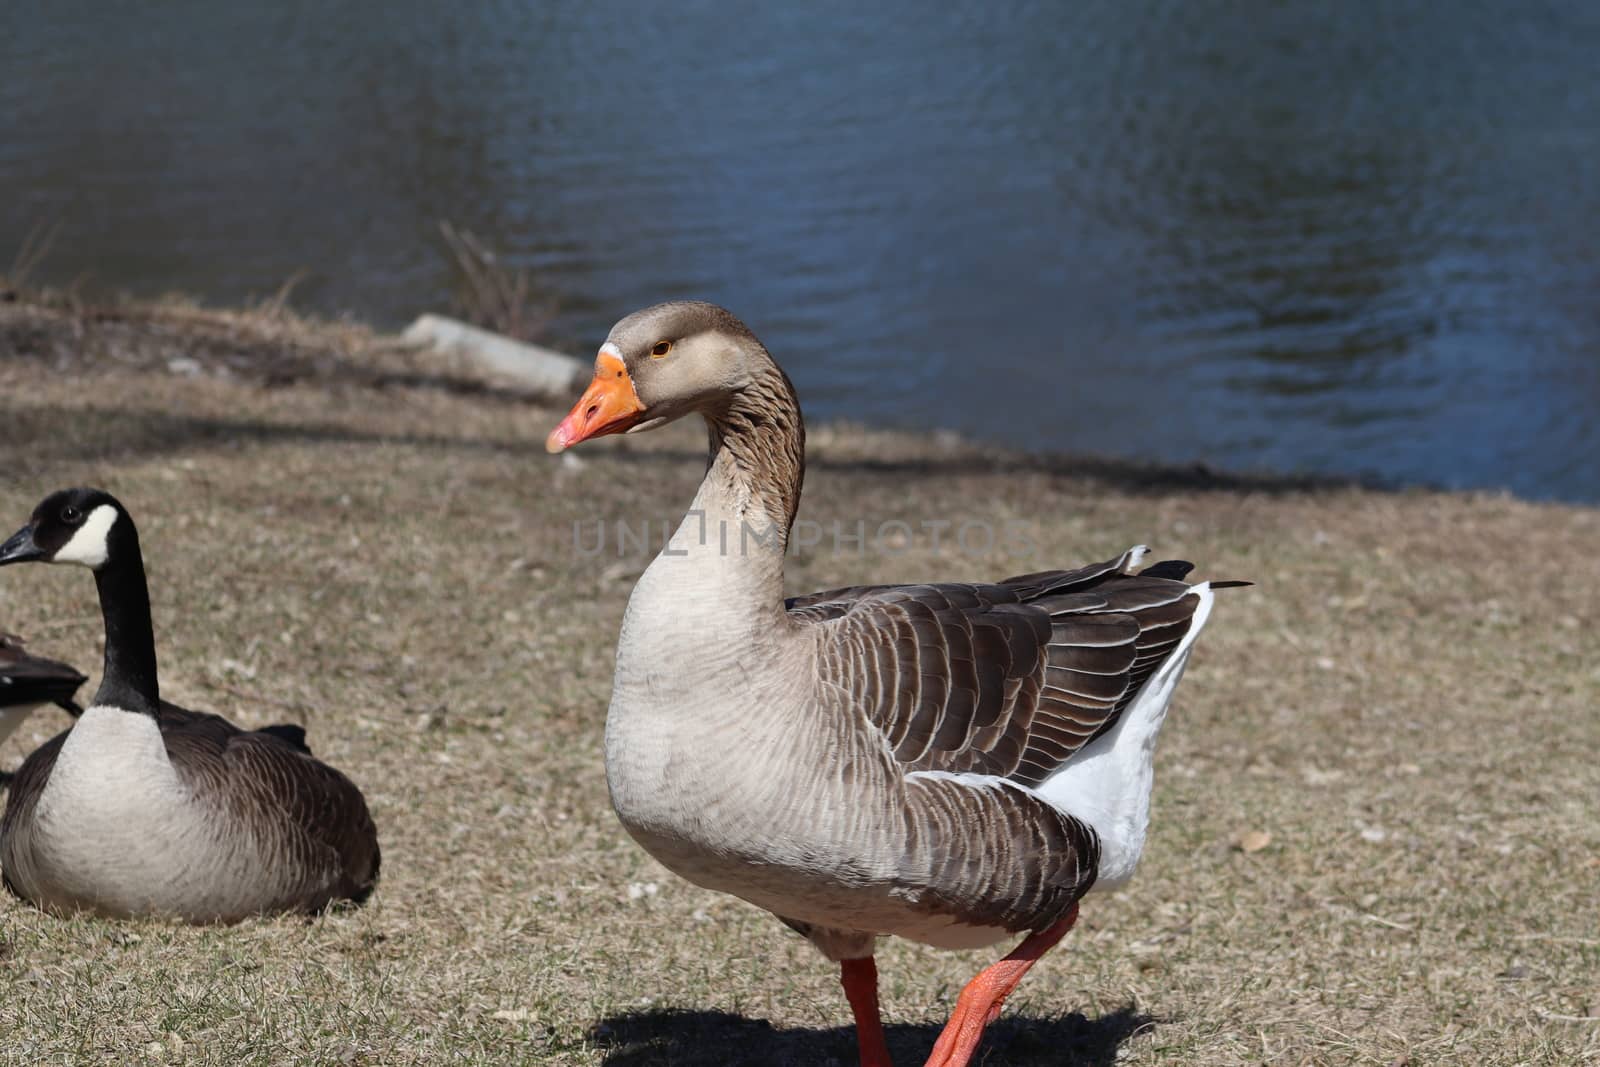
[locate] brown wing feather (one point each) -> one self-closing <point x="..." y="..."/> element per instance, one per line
<point x="994" y="857"/>
<point x="23" y="791"/>
<point x="1010" y="679"/>
<point x="271" y="779"/>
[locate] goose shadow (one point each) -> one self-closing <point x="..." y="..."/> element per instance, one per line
<point x="674" y="1038"/>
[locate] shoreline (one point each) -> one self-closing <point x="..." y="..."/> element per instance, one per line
<point x="271" y="344"/>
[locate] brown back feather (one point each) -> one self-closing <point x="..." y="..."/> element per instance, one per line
<point x="1010" y="679"/>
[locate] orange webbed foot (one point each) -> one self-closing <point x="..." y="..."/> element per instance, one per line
<point x="980" y="1002"/>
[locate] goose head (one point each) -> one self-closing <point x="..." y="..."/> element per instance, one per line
<point x="82" y="526"/>
<point x="660" y="364"/>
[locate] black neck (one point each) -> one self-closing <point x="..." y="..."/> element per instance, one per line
<point x="129" y="681"/>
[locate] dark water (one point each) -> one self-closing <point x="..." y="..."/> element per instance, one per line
<point x="1353" y="238"/>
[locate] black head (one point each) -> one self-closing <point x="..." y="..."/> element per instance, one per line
<point x="82" y="526"/>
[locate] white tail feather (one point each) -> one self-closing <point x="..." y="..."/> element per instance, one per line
<point x="1107" y="785"/>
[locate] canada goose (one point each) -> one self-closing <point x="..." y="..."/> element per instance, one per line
<point x="146" y="808"/>
<point x="949" y="763"/>
<point x="29" y="682"/>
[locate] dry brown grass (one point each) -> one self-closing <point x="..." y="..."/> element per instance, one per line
<point x="1406" y="703"/>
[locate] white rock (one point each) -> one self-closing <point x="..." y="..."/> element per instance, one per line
<point x="541" y="369"/>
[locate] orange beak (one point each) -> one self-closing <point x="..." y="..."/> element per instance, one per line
<point x="609" y="405"/>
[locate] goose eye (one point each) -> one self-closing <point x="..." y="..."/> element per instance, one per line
<point x="660" y="348"/>
<point x="70" y="515"/>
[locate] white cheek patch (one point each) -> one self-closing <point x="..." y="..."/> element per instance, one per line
<point x="88" y="546"/>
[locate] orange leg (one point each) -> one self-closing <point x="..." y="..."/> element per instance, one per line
<point x="860" y="981"/>
<point x="979" y="1004"/>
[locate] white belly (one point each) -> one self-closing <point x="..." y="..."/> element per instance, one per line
<point x="117" y="832"/>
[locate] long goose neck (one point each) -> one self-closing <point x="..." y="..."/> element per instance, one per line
<point x="129" y="681"/>
<point x="758" y="450"/>
<point x="724" y="565"/>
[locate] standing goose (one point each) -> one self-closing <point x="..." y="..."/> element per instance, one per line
<point x="146" y="808"/>
<point x="29" y="682"/>
<point x="948" y="763"/>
